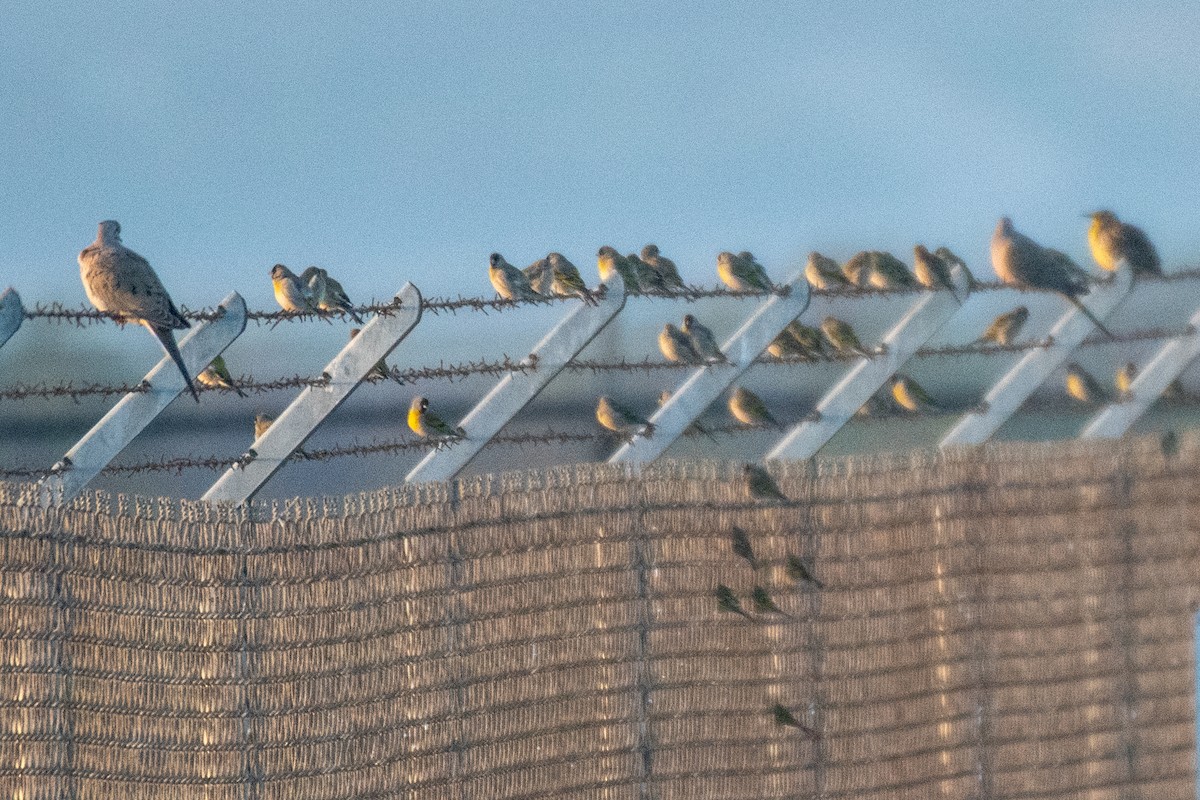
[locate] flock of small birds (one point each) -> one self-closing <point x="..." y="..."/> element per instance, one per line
<point x="120" y="282"/>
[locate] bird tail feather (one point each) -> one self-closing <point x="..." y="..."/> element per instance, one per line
<point x="1079" y="304"/>
<point x="167" y="339"/>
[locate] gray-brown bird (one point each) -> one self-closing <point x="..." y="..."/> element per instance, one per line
<point x="261" y="423"/>
<point x="120" y="282"/>
<point x="1124" y="378"/>
<point x="1112" y="241"/>
<point x="703" y="341"/>
<point x="843" y="338"/>
<point x="749" y="409"/>
<point x="823" y="272"/>
<point x="676" y="347"/>
<point x="763" y="603"/>
<point x="668" y="273"/>
<point x="784" y="717"/>
<point x="620" y="419"/>
<point x="742" y="272"/>
<point x="759" y="484"/>
<point x="1020" y="261"/>
<point x="931" y="270"/>
<point x="565" y="279"/>
<point x="947" y="255"/>
<point x="540" y="276"/>
<point x="885" y="271"/>
<point x="1006" y="326"/>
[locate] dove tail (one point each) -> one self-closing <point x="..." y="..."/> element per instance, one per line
<point x="167" y="339"/>
<point x="1079" y="304"/>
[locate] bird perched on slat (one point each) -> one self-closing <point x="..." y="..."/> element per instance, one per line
<point x="1112" y="241"/>
<point x="540" y="277"/>
<point x="909" y="395"/>
<point x="742" y="273"/>
<point x="824" y="273"/>
<point x="380" y="371"/>
<point x="1124" y="379"/>
<point x="843" y="338"/>
<point x="703" y="341"/>
<point x="648" y="279"/>
<point x="1020" y="261"/>
<point x="609" y="262"/>
<point x="1004" y="328"/>
<point x="427" y="424"/>
<point x="508" y="281"/>
<point x="798" y="339"/>
<point x="261" y="423"/>
<point x="931" y="271"/>
<point x="668" y="273"/>
<point x="947" y="255"/>
<point x="216" y="376"/>
<point x="120" y="282"/>
<point x="749" y="409"/>
<point x="759" y="484"/>
<point x="676" y="347"/>
<point x="619" y="419"/>
<point x="1083" y="387"/>
<point x="885" y="271"/>
<point x="327" y="294"/>
<point x="695" y="429"/>
<point x="565" y="279"/>
<point x="291" y="293"/>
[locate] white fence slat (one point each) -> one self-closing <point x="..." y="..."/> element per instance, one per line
<point x="310" y="408"/>
<point x="516" y="390"/>
<point x="707" y="383"/>
<point x="12" y="314"/>
<point x="130" y="416"/>
<point x="1032" y="370"/>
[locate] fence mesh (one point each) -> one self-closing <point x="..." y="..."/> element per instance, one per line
<point x="1012" y="620"/>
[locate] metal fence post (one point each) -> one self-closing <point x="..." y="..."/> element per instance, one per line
<point x="310" y="408"/>
<point x="706" y="383"/>
<point x="12" y="313"/>
<point x="130" y="416"/>
<point x="1032" y="370"/>
<point x="517" y="389"/>
<point x="925" y="318"/>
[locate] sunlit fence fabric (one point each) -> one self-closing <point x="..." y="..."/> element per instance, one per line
<point x="1012" y="620"/>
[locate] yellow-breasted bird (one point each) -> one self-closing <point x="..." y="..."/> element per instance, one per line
<point x="1124" y="378"/>
<point x="843" y="338"/>
<point x="216" y="376"/>
<point x="931" y="270"/>
<point x="1112" y="240"/>
<point x="648" y="278"/>
<point x="1020" y="261"/>
<point x="824" y="273"/>
<point x="291" y="293"/>
<point x="668" y="273"/>
<point x="759" y="484"/>
<point x="508" y="281"/>
<point x="676" y="346"/>
<point x="609" y="262"/>
<point x="380" y="371"/>
<point x="885" y="271"/>
<point x="261" y="423"/>
<point x="425" y="423"/>
<point x="703" y="341"/>
<point x="749" y="409"/>
<point x="785" y="346"/>
<point x="909" y="395"/>
<point x="619" y="419"/>
<point x="327" y="294"/>
<point x="1004" y="328"/>
<point x="565" y="279"/>
<point x="742" y="272"/>
<point x="120" y="282"/>
<point x="1082" y="386"/>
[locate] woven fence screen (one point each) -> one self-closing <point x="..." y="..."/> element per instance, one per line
<point x="1006" y="621"/>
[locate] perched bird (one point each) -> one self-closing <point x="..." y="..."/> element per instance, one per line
<point x="540" y="276"/>
<point x="619" y="419"/>
<point x="1020" y="261"/>
<point x="784" y="717"/>
<point x="695" y="429"/>
<point x="808" y="337"/>
<point x="1082" y="386"/>
<point x="703" y="341"/>
<point x="508" y="281"/>
<point x="824" y="273"/>
<point x="857" y="269"/>
<point x="380" y="371"/>
<point x="763" y="603"/>
<point x="931" y="270"/>
<point x="877" y="405"/>
<point x="609" y="262"/>
<point x="565" y="279"/>
<point x="425" y="423"/>
<point x="785" y="346"/>
<point x="1006" y="326"/>
<point x="291" y="293"/>
<point x="727" y="601"/>
<point x="739" y="542"/>
<point x="749" y="409"/>
<point x="261" y="423"/>
<point x="885" y="271"/>
<point x="742" y="273"/>
<point x="677" y="347"/>
<point x="327" y="294"/>
<point x="120" y="282"/>
<point x="843" y="338"/>
<point x="648" y="278"/>
<point x="909" y="395"/>
<point x="1124" y="378"/>
<point x="216" y="376"/>
<point x="759" y="484"/>
<point x="947" y="255"/>
<point x="668" y="274"/>
<point x="1113" y="241"/>
<point x="798" y="571"/>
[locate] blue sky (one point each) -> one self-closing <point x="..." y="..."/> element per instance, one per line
<point x="412" y="139"/>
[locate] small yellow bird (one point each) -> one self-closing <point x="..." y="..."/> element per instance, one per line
<point x="843" y="338"/>
<point x="668" y="273"/>
<point x="1112" y="241"/>
<point x="609" y="262"/>
<point x="508" y="281"/>
<point x="619" y="419"/>
<point x="1124" y="378"/>
<point x="1083" y="387"/>
<point x="426" y="424"/>
<point x="885" y="271"/>
<point x="291" y="293"/>
<point x="648" y="279"/>
<point x="824" y="273"/>
<point x="565" y="279"/>
<point x="380" y="371"/>
<point x="759" y="484"/>
<point x="909" y="395"/>
<point x="261" y="423"/>
<point x="749" y="409"/>
<point x="327" y="294"/>
<point x="931" y="270"/>
<point x="1006" y="326"/>
<point x="216" y="376"/>
<point x="742" y="273"/>
<point x="702" y="340"/>
<point x="676" y="347"/>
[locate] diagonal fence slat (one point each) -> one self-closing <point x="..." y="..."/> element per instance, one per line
<point x="297" y="422"/>
<point x="12" y="313"/>
<point x="516" y="390"/>
<point x="130" y="416"/>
